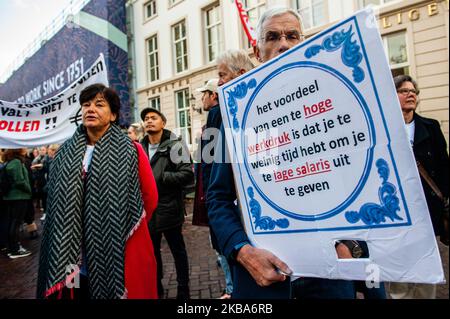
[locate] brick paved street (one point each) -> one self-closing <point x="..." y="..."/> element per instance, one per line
<point x="18" y="277"/>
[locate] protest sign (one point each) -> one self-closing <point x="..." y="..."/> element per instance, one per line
<point x="49" y="121"/>
<point x="320" y="154"/>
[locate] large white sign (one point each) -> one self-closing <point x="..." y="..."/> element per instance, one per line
<point x="50" y="121"/>
<point x="321" y="154"/>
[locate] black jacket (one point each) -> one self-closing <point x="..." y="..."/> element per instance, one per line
<point x="430" y="148"/>
<point x="171" y="173"/>
<point x="214" y="121"/>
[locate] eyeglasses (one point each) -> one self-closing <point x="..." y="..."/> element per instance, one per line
<point x="275" y="36"/>
<point x="407" y="91"/>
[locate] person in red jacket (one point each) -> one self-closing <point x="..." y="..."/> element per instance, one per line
<point x="101" y="195"/>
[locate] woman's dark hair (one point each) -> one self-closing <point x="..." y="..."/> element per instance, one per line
<point x="109" y="94"/>
<point x="10" y="154"/>
<point x="400" y="79"/>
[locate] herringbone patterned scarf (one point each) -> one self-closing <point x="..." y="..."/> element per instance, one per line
<point x="104" y="210"/>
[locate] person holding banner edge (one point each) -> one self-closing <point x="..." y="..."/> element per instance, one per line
<point x="257" y="272"/>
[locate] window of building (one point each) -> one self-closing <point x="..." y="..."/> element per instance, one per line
<point x="213" y="32"/>
<point x="183" y="114"/>
<point x="397" y="53"/>
<point x="173" y="2"/>
<point x="255" y="8"/>
<point x="150" y="9"/>
<point x="365" y="3"/>
<point x="152" y="58"/>
<point x="155" y="102"/>
<point x="180" y="46"/>
<point x="312" y="12"/>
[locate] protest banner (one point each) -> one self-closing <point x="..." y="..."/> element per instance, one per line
<point x="320" y="154"/>
<point x="243" y="16"/>
<point x="49" y="121"/>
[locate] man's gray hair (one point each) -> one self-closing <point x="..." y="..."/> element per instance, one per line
<point x="274" y="12"/>
<point x="400" y="79"/>
<point x="235" y="60"/>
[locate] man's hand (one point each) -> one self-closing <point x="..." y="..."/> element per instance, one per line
<point x="343" y="252"/>
<point x="262" y="265"/>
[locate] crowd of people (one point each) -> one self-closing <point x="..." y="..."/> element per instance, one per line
<point x="24" y="192"/>
<point x="108" y="197"/>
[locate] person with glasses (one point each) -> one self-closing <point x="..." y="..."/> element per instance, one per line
<point x="430" y="149"/>
<point x="257" y="272"/>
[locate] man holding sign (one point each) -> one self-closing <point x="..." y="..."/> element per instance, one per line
<point x="257" y="272"/>
<point x="320" y="170"/>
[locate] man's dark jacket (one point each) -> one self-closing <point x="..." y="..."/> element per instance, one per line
<point x="225" y="220"/>
<point x="171" y="175"/>
<point x="430" y="149"/>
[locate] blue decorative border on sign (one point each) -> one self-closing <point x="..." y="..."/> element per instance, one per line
<point x="374" y="214"/>
<point x="239" y="92"/>
<point x="263" y="222"/>
<point x="377" y="95"/>
<point x="351" y="55"/>
<point x="369" y="158"/>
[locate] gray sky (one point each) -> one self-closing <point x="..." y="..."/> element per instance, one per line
<point x="21" y="21"/>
